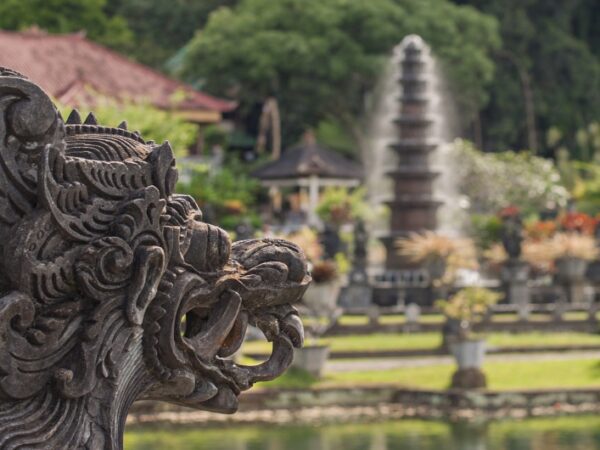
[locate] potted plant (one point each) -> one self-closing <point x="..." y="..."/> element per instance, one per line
<point x="572" y="253"/>
<point x="339" y="206"/>
<point x="440" y="255"/>
<point x="465" y="308"/>
<point x="321" y="296"/>
<point x="319" y="308"/>
<point x="578" y="222"/>
<point x="319" y="304"/>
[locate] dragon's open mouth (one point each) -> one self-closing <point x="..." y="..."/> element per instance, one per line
<point x="217" y="333"/>
<point x="282" y="326"/>
<point x="204" y="321"/>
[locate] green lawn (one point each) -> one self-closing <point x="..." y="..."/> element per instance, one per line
<point x="541" y="317"/>
<point x="542" y="339"/>
<point x="577" y="315"/>
<point x="391" y="319"/>
<point x="354" y="320"/>
<point x="394" y="319"/>
<point x="502" y="375"/>
<point x="415" y="341"/>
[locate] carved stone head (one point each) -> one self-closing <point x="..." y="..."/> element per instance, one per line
<point x="112" y="288"/>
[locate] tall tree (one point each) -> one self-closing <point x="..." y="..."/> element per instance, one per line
<point x="319" y="57"/>
<point x="66" y="16"/>
<point x="555" y="47"/>
<point x="162" y="27"/>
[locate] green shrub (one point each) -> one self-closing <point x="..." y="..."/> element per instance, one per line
<point x="227" y="196"/>
<point x="153" y="124"/>
<point x="492" y="181"/>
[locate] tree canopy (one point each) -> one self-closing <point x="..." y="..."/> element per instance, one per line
<point x="160" y="28"/>
<point x="491" y="181"/>
<point x="66" y="16"/>
<point x="557" y="45"/>
<point x="319" y="57"/>
<point x="521" y="70"/>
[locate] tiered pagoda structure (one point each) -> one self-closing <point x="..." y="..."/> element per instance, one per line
<point x="413" y="207"/>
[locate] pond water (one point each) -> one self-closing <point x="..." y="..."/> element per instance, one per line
<point x="567" y="433"/>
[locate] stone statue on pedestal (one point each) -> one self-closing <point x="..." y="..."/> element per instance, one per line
<point x="113" y="288"/>
<point x="358" y="293"/>
<point x="515" y="272"/>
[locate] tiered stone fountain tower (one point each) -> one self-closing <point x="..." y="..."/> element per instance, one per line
<point x="413" y="207"/>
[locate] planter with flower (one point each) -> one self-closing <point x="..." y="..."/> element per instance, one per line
<point x="319" y="305"/>
<point x="578" y="222"/>
<point x="320" y="310"/>
<point x="571" y="253"/>
<point x="464" y="309"/>
<point x="440" y="255"/>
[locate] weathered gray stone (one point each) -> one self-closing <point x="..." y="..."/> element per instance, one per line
<point x="113" y="288"/>
<point x="356" y="296"/>
<point x="359" y="292"/>
<point x="515" y="277"/>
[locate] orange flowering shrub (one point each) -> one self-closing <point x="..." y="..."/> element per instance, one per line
<point x="578" y="222"/>
<point x="540" y="229"/>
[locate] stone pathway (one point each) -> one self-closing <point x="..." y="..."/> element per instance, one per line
<point x="358" y="365"/>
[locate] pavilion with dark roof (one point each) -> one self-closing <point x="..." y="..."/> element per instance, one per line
<point x="76" y="72"/>
<point x="309" y="167"/>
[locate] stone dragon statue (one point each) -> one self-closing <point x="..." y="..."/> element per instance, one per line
<point x="113" y="289"/>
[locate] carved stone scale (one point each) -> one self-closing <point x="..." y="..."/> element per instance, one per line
<point x="113" y="289"/>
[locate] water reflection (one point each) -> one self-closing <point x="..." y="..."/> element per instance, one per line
<point x="573" y="433"/>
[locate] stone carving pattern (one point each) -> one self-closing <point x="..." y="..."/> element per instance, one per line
<point x="113" y="289"/>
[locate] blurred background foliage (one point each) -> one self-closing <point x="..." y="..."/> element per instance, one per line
<point x="320" y="57"/>
<point x="491" y="181"/>
<point x="153" y="124"/>
<point x="503" y="59"/>
<point x="228" y="196"/>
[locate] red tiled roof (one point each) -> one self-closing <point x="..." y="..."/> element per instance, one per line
<point x="71" y="68"/>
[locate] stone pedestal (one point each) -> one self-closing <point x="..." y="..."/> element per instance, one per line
<point x="311" y="358"/>
<point x="560" y="306"/>
<point x="575" y="292"/>
<point x="373" y="315"/>
<point x="469" y="355"/>
<point x="356" y="296"/>
<point x="358" y="293"/>
<point x="570" y="273"/>
<point x="515" y="275"/>
<point x="593" y="272"/>
<point x="592" y="311"/>
<point x="412" y="315"/>
<point x="471" y="378"/>
<point x="322" y="298"/>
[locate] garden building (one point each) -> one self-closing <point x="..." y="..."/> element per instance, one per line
<point x="307" y="168"/>
<point x="78" y="72"/>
